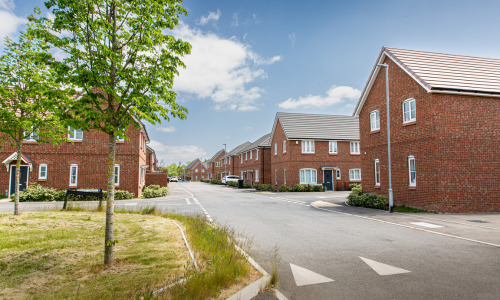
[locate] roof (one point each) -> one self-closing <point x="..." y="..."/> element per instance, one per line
<point x="264" y="141"/>
<point x="191" y="163"/>
<point x="237" y="149"/>
<point x="318" y="127"/>
<point x="215" y="155"/>
<point x="441" y="73"/>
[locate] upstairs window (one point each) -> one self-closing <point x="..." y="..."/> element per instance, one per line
<point x="284" y="146"/>
<point x="307" y="146"/>
<point x="332" y="147"/>
<point x="251" y="154"/>
<point x="42" y="171"/>
<point x="308" y="176"/>
<point x="409" y="112"/>
<point x="257" y="154"/>
<point x="374" y="120"/>
<point x="30" y="136"/>
<point x="229" y="160"/>
<point x="241" y="158"/>
<point x="275" y="148"/>
<point x="246" y="155"/>
<point x="354" y="147"/>
<point x="217" y="164"/>
<point x="196" y="170"/>
<point x="75" y="134"/>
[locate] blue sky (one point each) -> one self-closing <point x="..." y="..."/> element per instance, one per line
<point x="251" y="59"/>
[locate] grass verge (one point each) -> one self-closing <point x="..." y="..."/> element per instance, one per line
<point x="58" y="255"/>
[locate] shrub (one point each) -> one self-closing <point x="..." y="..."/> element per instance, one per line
<point x="120" y="195"/>
<point x="316" y="188"/>
<point x="206" y="180"/>
<point x="39" y="193"/>
<point x="300" y="188"/>
<point x="354" y="186"/>
<point x="216" y="181"/>
<point x="232" y="183"/>
<point x="266" y="187"/>
<point x="246" y="185"/>
<point x="372" y="200"/>
<point x="285" y="188"/>
<point x="154" y="191"/>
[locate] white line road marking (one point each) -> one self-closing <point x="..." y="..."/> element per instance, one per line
<point x="304" y="276"/>
<point x="187" y="201"/>
<point x="426" y="224"/>
<point x="289" y="201"/>
<point x="383" y="269"/>
<point x="130" y="204"/>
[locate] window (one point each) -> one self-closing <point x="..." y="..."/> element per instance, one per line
<point x="73" y="175"/>
<point x="42" y="171"/>
<point x="246" y="155"/>
<point x="338" y="173"/>
<point x="275" y="176"/>
<point x="307" y="146"/>
<point x="241" y="174"/>
<point x="229" y="159"/>
<point x="202" y="170"/>
<point x="409" y="113"/>
<point x="307" y="176"/>
<point x="196" y="170"/>
<point x="75" y="134"/>
<point x="354" y="147"/>
<point x="355" y="174"/>
<point x="257" y="175"/>
<point x="251" y="154"/>
<point x="257" y="154"/>
<point x="217" y="164"/>
<point x="241" y="158"/>
<point x="332" y="147"/>
<point x="275" y="148"/>
<point x="375" y="120"/>
<point x="284" y="176"/>
<point x="284" y="146"/>
<point x="117" y="174"/>
<point x="377" y="172"/>
<point x="30" y="136"/>
<point x="411" y="170"/>
<point x="120" y="139"/>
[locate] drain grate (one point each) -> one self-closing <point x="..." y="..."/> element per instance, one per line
<point x="478" y="221"/>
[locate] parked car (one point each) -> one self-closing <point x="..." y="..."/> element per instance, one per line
<point x="229" y="178"/>
<point x="174" y="179"/>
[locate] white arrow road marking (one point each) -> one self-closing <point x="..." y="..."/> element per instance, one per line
<point x="129" y="204"/>
<point x="383" y="269"/>
<point x="426" y="224"/>
<point x="187" y="201"/>
<point x="304" y="276"/>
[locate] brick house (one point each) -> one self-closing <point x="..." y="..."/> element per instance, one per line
<point x="214" y="165"/>
<point x="81" y="164"/>
<point x="445" y="135"/>
<point x="254" y="162"/>
<point x="197" y="169"/>
<point x="151" y="160"/>
<point x="315" y="149"/>
<point x="230" y="160"/>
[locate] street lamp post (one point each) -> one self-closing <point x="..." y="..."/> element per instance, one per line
<point x="391" y="200"/>
<point x="225" y="160"/>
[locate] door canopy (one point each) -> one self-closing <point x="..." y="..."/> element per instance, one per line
<point x="13" y="157"/>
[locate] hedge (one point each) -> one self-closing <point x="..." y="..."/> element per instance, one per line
<point x="38" y="193"/>
<point x="216" y="181"/>
<point x="154" y="191"/>
<point x="371" y="200"/>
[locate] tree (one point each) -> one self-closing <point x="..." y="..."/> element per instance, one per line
<point x="31" y="99"/>
<point x="119" y="52"/>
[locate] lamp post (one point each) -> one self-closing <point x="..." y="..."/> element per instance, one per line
<point x="225" y="160"/>
<point x="391" y="200"/>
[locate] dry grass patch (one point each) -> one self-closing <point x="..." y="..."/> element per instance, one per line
<point x="59" y="255"/>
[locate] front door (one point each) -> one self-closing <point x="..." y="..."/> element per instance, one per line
<point x="328" y="179"/>
<point x="23" y="179"/>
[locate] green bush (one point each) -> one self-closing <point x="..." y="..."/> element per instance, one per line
<point x="300" y="188"/>
<point x="266" y="187"/>
<point x="38" y="193"/>
<point x="232" y="183"/>
<point x="358" y="198"/>
<point x="154" y="191"/>
<point x="246" y="185"/>
<point x="356" y="186"/>
<point x="205" y="180"/>
<point x="216" y="181"/>
<point x="316" y="188"/>
<point x="285" y="188"/>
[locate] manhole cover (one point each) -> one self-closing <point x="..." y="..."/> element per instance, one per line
<point x="478" y="221"/>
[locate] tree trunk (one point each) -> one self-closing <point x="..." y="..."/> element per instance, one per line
<point x="109" y="241"/>
<point x="18" y="175"/>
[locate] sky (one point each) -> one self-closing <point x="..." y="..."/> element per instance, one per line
<point x="252" y="59"/>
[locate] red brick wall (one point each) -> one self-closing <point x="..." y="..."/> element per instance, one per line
<point x="213" y="170"/>
<point x="455" y="142"/>
<point x="91" y="157"/>
<point x="256" y="164"/>
<point x="294" y="160"/>
<point x="160" y="179"/>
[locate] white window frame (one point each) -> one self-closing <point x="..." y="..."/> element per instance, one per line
<point x="338" y="174"/>
<point x="246" y="155"/>
<point x="353" y="174"/>
<point x="241" y="158"/>
<point x="257" y="154"/>
<point x="32" y="136"/>
<point x="308" y="146"/>
<point x="275" y="148"/>
<point x="409" y="114"/>
<point x="202" y="170"/>
<point x="284" y="176"/>
<point x="275" y="177"/>
<point x="377" y="172"/>
<point x="411" y="163"/>
<point x="73" y="134"/>
<point x="217" y="164"/>
<point x="241" y="174"/>
<point x="229" y="160"/>
<point x="117" y="175"/>
<point x="196" y="170"/>
<point x="251" y="154"/>
<point x="76" y="175"/>
<point x="332" y="147"/>
<point x="284" y="146"/>
<point x="355" y="148"/>
<point x="256" y="175"/>
<point x="40" y="171"/>
<point x="303" y="175"/>
<point x="375" y="120"/>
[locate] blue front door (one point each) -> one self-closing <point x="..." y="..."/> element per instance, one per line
<point x="328" y="179"/>
<point x="23" y="179"/>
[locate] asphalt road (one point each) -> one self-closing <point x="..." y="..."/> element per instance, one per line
<point x="339" y="252"/>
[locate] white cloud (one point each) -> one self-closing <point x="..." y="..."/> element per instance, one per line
<point x="212" y="16"/>
<point x="175" y="154"/>
<point x="221" y="69"/>
<point x="9" y="22"/>
<point x="167" y="129"/>
<point x="336" y="94"/>
<point x="235" y="21"/>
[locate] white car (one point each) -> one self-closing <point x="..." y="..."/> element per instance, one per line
<point x="174" y="179"/>
<point x="229" y="178"/>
